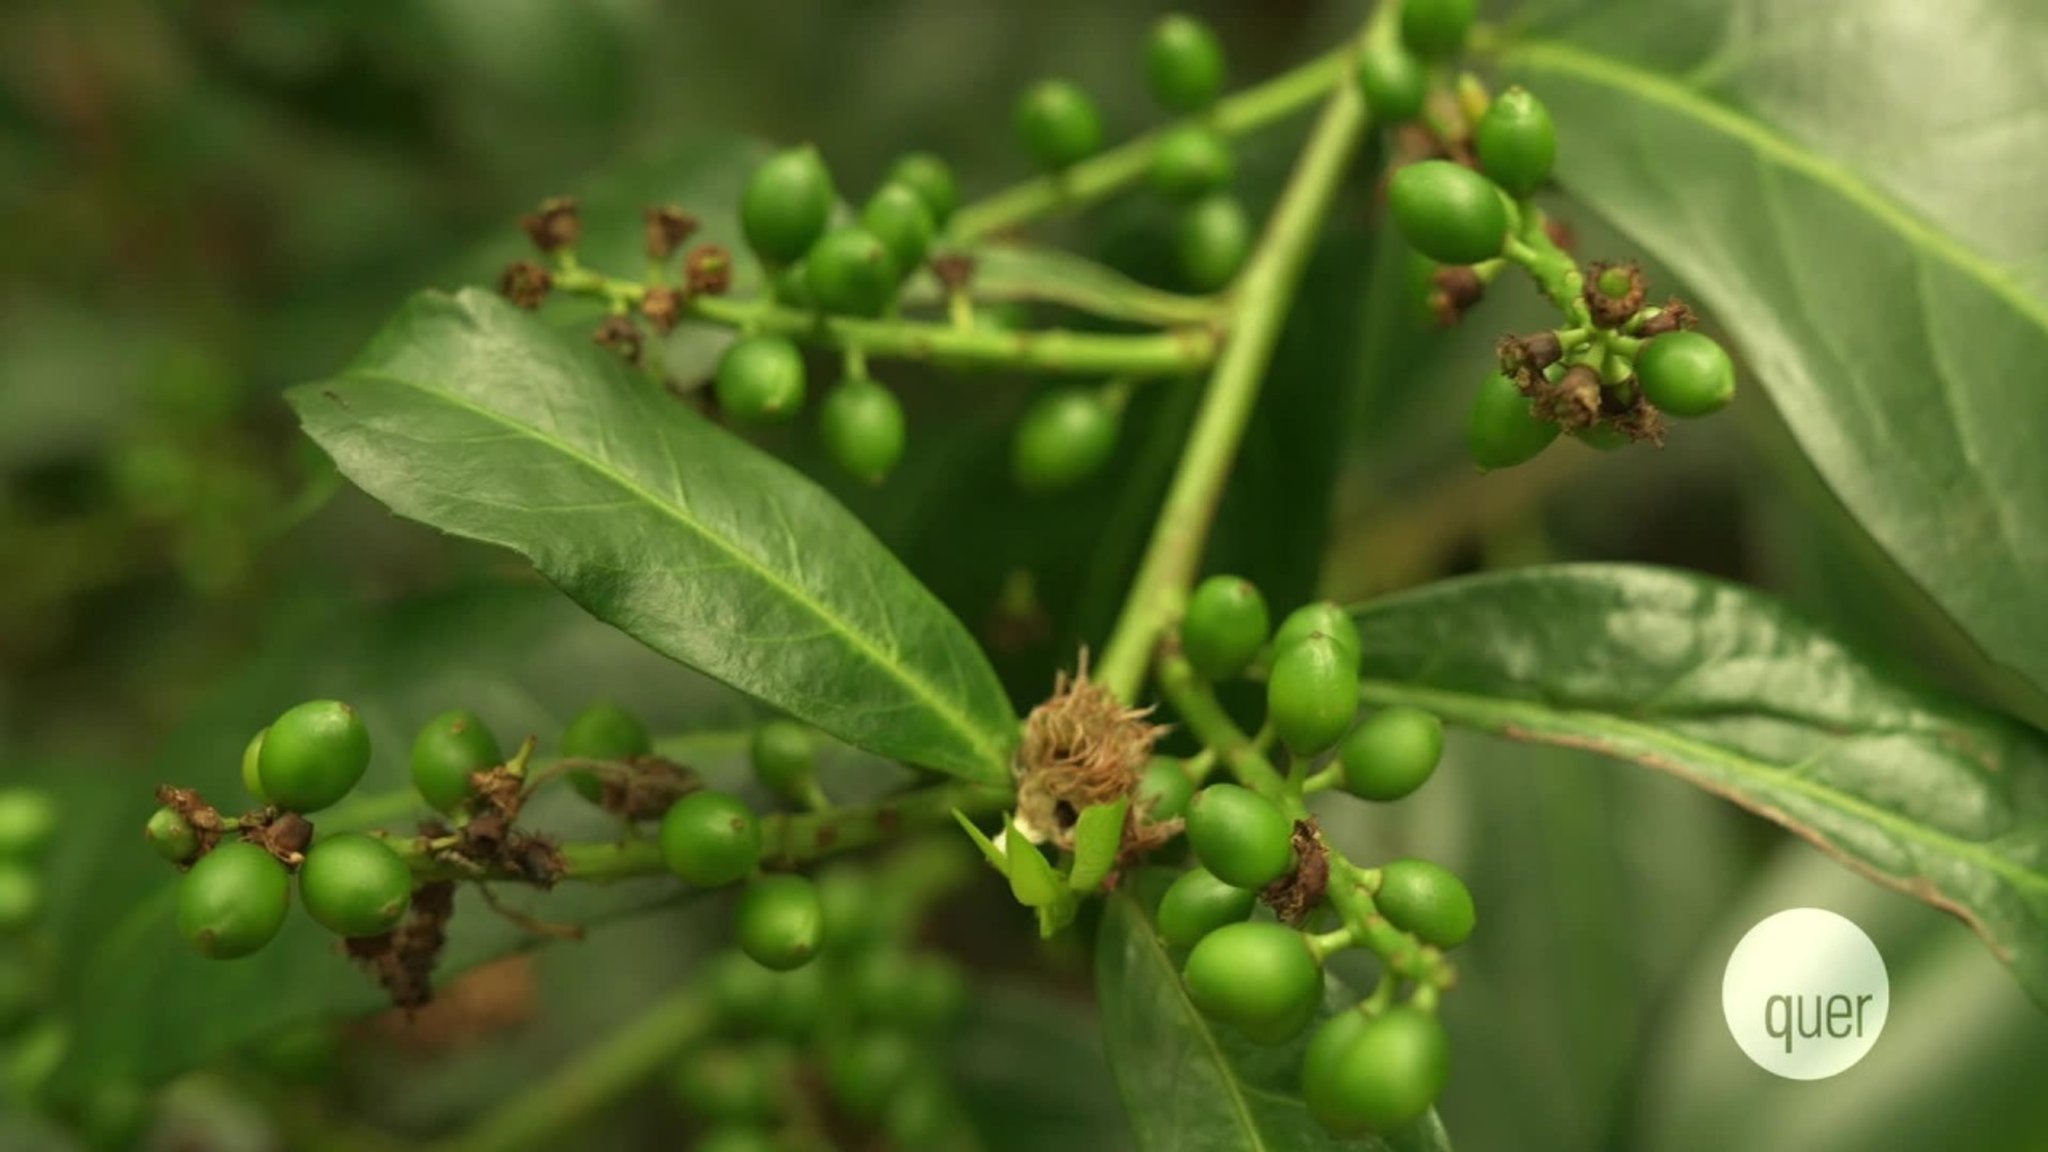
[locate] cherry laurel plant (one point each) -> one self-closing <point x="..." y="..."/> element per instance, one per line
<point x="1076" y="802"/>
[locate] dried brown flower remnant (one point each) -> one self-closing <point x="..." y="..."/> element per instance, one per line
<point x="555" y="226"/>
<point x="1081" y="747"/>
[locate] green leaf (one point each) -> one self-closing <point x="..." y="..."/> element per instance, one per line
<point x="1188" y="1084"/>
<point x="1727" y="689"/>
<point x="989" y="851"/>
<point x="1032" y="880"/>
<point x="1097" y="835"/>
<point x="1868" y="239"/>
<point x="467" y="414"/>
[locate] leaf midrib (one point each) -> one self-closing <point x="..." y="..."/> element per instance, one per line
<point x="958" y="721"/>
<point x="1539" y="717"/>
<point x="1667" y="93"/>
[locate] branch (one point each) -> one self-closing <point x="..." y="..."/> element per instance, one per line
<point x="1264" y="294"/>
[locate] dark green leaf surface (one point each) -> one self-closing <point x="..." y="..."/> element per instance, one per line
<point x="1194" y="1086"/>
<point x="472" y="417"/>
<point x="1860" y="222"/>
<point x="1727" y="689"/>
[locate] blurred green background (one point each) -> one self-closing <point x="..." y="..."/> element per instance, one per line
<point x="202" y="203"/>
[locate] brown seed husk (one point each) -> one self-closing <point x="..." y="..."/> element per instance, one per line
<point x="1081" y="747"/>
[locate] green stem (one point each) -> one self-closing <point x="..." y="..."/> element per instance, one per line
<point x="1177" y="351"/>
<point x="1265" y="292"/>
<point x="538" y="1116"/>
<point x="1109" y="172"/>
<point x="787" y="838"/>
<point x="1194" y="701"/>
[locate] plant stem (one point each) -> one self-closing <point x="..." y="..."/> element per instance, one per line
<point x="1176" y="351"/>
<point x="787" y="838"/>
<point x="1264" y="294"/>
<point x="1195" y="702"/>
<point x="540" y="1115"/>
<point x="1108" y="172"/>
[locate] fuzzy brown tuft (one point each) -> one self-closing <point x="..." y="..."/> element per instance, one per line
<point x="1081" y="747"/>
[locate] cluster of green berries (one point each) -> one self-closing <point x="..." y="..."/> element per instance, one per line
<point x="867" y="1023"/>
<point x="1363" y="1072"/>
<point x="851" y="269"/>
<point x="1467" y="211"/>
<point x="233" y="898"/>
<point x="28" y="826"/>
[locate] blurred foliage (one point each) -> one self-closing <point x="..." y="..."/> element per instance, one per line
<point x="203" y="203"/>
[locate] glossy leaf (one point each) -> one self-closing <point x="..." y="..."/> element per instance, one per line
<point x="1727" y="689"/>
<point x="1191" y="1085"/>
<point x="470" y="416"/>
<point x="1862" y="234"/>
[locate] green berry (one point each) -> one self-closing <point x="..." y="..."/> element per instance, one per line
<point x="1602" y="437"/>
<point x="603" y="731"/>
<point x="760" y="380"/>
<point x="1377" y="1078"/>
<point x="28" y="818"/>
<point x="312" y="755"/>
<point x="171" y="836"/>
<point x="1392" y="753"/>
<point x="1184" y="63"/>
<point x="252" y="761"/>
<point x="1225" y="625"/>
<point x="1324" y="617"/>
<point x="850" y="271"/>
<point x="1503" y="431"/>
<point x="1686" y="374"/>
<point x="1516" y="141"/>
<point x="851" y="920"/>
<point x="920" y="993"/>
<point x="1323" y="1058"/>
<point x="233" y="900"/>
<point x="863" y="428"/>
<point x="779" y="922"/>
<point x="1063" y="438"/>
<point x="1434" y="29"/>
<point x="785" y="759"/>
<point x="1427" y="899"/>
<point x="1211" y="240"/>
<point x="710" y="839"/>
<point x="731" y="1082"/>
<point x="1448" y="212"/>
<point x="447" y="751"/>
<point x="864" y="1071"/>
<point x="786" y="203"/>
<point x="21" y="897"/>
<point x="899" y="218"/>
<point x="1259" y="977"/>
<point x="932" y="179"/>
<point x="1240" y="836"/>
<point x="792" y="286"/>
<point x="1058" y="123"/>
<point x="1312" y="694"/>
<point x="1197" y="903"/>
<point x="1393" y="81"/>
<point x="354" y="885"/>
<point x="1164" y="789"/>
<point x="1191" y="161"/>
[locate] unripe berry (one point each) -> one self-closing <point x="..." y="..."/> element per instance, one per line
<point x="710" y="839"/>
<point x="1191" y="161"/>
<point x="785" y="759"/>
<point x="1503" y="431"/>
<point x="779" y="922"/>
<point x="1393" y="81"/>
<point x="1434" y="29"/>
<point x="21" y="897"/>
<point x="1058" y="123"/>
<point x="786" y="203"/>
<point x="1516" y="141"/>
<point x="1425" y="898"/>
<point x="1184" y="63"/>
<point x="760" y="380"/>
<point x="1259" y="977"/>
<point x="1686" y="374"/>
<point x="28" y="818"/>
<point x="1197" y="903"/>
<point x="233" y="901"/>
<point x="355" y="885"/>
<point x="1240" y="836"/>
<point x="171" y="836"/>
<point x="312" y="755"/>
<point x="849" y="271"/>
<point x="1312" y="694"/>
<point x="1384" y="1076"/>
<point x="252" y="758"/>
<point x="1448" y="212"/>
<point x="603" y="731"/>
<point x="1063" y="438"/>
<point x="1212" y="238"/>
<point x="1392" y="753"/>
<point x="863" y="428"/>
<point x="1225" y="625"/>
<point x="899" y="218"/>
<point x="1320" y="617"/>
<point x="1163" y="789"/>
<point x="447" y="751"/>
<point x="932" y="179"/>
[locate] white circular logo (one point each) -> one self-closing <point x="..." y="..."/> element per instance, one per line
<point x="1805" y="994"/>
